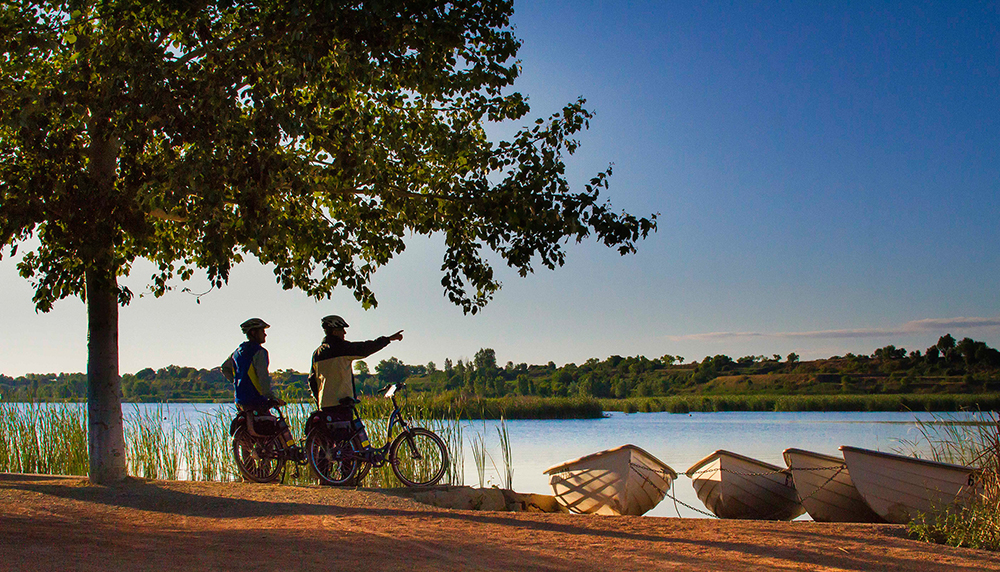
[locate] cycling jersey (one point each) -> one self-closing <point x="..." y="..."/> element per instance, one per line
<point x="331" y="377"/>
<point x="247" y="370"/>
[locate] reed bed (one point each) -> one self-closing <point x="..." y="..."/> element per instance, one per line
<point x="509" y="407"/>
<point x="152" y="447"/>
<point x="775" y="403"/>
<point x="51" y="438"/>
<point x="44" y="438"/>
<point x="207" y="447"/>
<point x="975" y="443"/>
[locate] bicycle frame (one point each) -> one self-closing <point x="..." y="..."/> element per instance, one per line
<point x="376" y="456"/>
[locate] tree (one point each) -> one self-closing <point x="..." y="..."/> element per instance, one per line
<point x="890" y="352"/>
<point x="945" y="343"/>
<point x="361" y="370"/>
<point x="313" y="136"/>
<point x="392" y="371"/>
<point x="485" y="361"/>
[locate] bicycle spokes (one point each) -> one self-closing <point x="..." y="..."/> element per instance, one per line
<point x="258" y="459"/>
<point x="418" y="457"/>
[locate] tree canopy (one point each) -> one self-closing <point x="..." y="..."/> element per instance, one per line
<point x="313" y="135"/>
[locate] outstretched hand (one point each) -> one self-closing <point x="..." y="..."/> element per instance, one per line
<point x="396" y="337"/>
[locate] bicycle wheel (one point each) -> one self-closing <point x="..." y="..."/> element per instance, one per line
<point x="257" y="458"/>
<point x="334" y="461"/>
<point x="418" y="457"/>
<point x="363" y="466"/>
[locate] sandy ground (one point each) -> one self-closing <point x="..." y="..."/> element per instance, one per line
<point x="65" y="523"/>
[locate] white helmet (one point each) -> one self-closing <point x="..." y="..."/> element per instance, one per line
<point x="333" y="321"/>
<point x="253" y="324"/>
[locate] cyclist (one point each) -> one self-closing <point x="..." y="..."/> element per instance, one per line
<point x="246" y="368"/>
<point x="331" y="378"/>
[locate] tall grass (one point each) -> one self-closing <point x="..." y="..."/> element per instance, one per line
<point x="974" y="523"/>
<point x="51" y="438"/>
<point x="152" y="444"/>
<point x="207" y="447"/>
<point x="44" y="438"/>
<point x="505" y="451"/>
<point x="481" y="454"/>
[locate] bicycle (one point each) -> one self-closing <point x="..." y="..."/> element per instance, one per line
<point x="417" y="456"/>
<point x="262" y="457"/>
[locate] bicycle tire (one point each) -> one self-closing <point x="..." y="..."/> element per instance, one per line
<point x="363" y="466"/>
<point x="418" y="457"/>
<point x="258" y="459"/>
<point x="333" y="461"/>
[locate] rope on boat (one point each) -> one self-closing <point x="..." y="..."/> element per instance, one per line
<point x="686" y="505"/>
<point x="838" y="468"/>
<point x="669" y="492"/>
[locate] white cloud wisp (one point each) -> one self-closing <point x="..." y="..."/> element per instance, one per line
<point x="912" y="327"/>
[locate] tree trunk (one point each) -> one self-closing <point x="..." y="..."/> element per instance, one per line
<point x="104" y="399"/>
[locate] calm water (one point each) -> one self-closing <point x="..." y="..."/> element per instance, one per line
<point x="679" y="440"/>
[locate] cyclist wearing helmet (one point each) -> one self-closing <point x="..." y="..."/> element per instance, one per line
<point x="246" y="368"/>
<point x="331" y="378"/>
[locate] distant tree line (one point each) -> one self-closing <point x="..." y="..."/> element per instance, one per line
<point x="949" y="366"/>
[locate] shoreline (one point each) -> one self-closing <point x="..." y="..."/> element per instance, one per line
<point x="55" y="522"/>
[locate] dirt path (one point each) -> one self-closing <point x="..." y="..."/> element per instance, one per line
<point x="64" y="523"/>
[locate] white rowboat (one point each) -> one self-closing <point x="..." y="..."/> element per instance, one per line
<point x="825" y="488"/>
<point x="734" y="486"/>
<point x="623" y="480"/>
<point x="898" y="487"/>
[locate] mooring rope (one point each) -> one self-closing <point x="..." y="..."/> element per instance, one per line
<point x="639" y="469"/>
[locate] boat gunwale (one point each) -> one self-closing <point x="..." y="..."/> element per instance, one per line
<point x="719" y="452"/>
<point x="561" y="467"/>
<point x="813" y="454"/>
<point x="895" y="456"/>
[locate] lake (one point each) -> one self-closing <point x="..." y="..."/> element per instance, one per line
<point x="678" y="440"/>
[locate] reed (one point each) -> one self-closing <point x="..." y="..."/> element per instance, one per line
<point x="976" y="443"/>
<point x="153" y="446"/>
<point x="479" y="456"/>
<point x="505" y="450"/>
<point x="51" y="438"/>
<point x="207" y="448"/>
<point x="43" y="438"/>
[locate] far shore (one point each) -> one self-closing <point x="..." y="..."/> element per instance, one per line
<point x="533" y="407"/>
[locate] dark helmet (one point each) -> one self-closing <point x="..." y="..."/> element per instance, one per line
<point x="332" y="321"/>
<point x="253" y="324"/>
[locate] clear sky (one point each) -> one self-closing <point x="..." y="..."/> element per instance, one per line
<point x="827" y="178"/>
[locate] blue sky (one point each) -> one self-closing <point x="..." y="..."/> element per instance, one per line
<point x="826" y="176"/>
